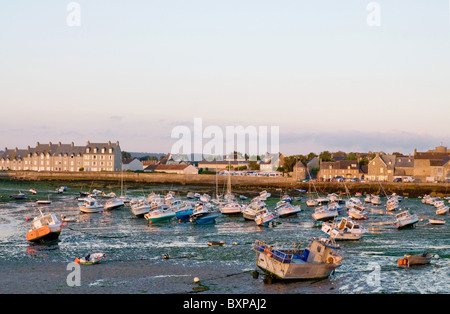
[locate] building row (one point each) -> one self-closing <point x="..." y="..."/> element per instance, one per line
<point x="430" y="166"/>
<point x="63" y="157"/>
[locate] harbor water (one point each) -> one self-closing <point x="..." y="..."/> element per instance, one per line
<point x="369" y="266"/>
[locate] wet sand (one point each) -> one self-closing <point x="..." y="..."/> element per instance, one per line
<point x="144" y="277"/>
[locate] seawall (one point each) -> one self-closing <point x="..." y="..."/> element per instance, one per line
<point x="238" y="182"/>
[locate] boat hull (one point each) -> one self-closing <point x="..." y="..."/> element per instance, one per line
<point x="84" y="209"/>
<point x="292" y="271"/>
<point x="159" y="218"/>
<point x="184" y="214"/>
<point x="44" y="234"/>
<point x="325" y="216"/>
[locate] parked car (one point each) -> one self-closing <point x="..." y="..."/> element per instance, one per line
<point x="446" y="181"/>
<point x="397" y="180"/>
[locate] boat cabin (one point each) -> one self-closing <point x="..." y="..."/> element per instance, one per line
<point x="45" y="220"/>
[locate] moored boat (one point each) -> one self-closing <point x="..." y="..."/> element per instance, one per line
<point x="264" y="217"/>
<point x="323" y="213"/>
<point x="18" y="196"/>
<point x="159" y="213"/>
<point x="346" y="229"/>
<point x="139" y="207"/>
<point x="405" y="219"/>
<point x="90" y="205"/>
<point x="114" y="203"/>
<point x="317" y="261"/>
<point x="286" y="209"/>
<point x="203" y="215"/>
<point x="44" y="228"/>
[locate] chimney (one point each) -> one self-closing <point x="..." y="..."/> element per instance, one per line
<point x="72" y="144"/>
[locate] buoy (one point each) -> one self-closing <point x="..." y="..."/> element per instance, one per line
<point x="196" y="279"/>
<point x="166" y="256"/>
<point x="436" y="256"/>
<point x="235" y="243"/>
<point x="28" y="218"/>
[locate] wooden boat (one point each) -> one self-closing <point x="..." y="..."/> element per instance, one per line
<point x="317" y="261"/>
<point x="411" y="260"/>
<point x="436" y="221"/>
<point x="216" y="243"/>
<point x="44" y="228"/>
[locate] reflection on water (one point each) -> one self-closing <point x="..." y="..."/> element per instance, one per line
<point x="123" y="237"/>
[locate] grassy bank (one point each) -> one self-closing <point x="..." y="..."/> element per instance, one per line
<point x="241" y="183"/>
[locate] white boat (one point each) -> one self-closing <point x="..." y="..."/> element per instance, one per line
<point x="249" y="212"/>
<point x="311" y="203"/>
<point x="205" y="198"/>
<point x="159" y="213"/>
<point x="322" y="213"/>
<point x="140" y="207"/>
<point x="90" y="205"/>
<point x="436" y="222"/>
<point x="44" y="202"/>
<point x="286" y="209"/>
<point x="264" y="217"/>
<point x="346" y="229"/>
<point x="114" y="203"/>
<point x="264" y="195"/>
<point x="354" y="202"/>
<point x="376" y="200"/>
<point x="442" y="210"/>
<point x="322" y="200"/>
<point x="368" y="198"/>
<point x="232" y="208"/>
<point x="392" y="204"/>
<point x="317" y="261"/>
<point x="357" y="213"/>
<point x="33" y="191"/>
<point x="287" y="198"/>
<point x="190" y="196"/>
<point x="405" y="219"/>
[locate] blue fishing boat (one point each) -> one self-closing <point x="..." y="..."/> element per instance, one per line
<point x="203" y="215"/>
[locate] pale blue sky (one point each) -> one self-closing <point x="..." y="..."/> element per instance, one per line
<point x="135" y="69"/>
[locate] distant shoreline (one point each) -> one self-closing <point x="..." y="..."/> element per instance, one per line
<point x="238" y="182"/>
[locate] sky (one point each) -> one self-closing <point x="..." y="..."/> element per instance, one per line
<point x="132" y="71"/>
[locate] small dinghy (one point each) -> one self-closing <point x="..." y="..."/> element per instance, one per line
<point x="436" y="221"/>
<point x="216" y="243"/>
<point x="411" y="260"/>
<point x="90" y="259"/>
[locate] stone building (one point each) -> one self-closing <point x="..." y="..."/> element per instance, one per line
<point x="342" y="168"/>
<point x="63" y="157"/>
<point x="381" y="168"/>
<point x="432" y="165"/>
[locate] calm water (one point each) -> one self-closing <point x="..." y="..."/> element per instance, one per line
<point x="122" y="236"/>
